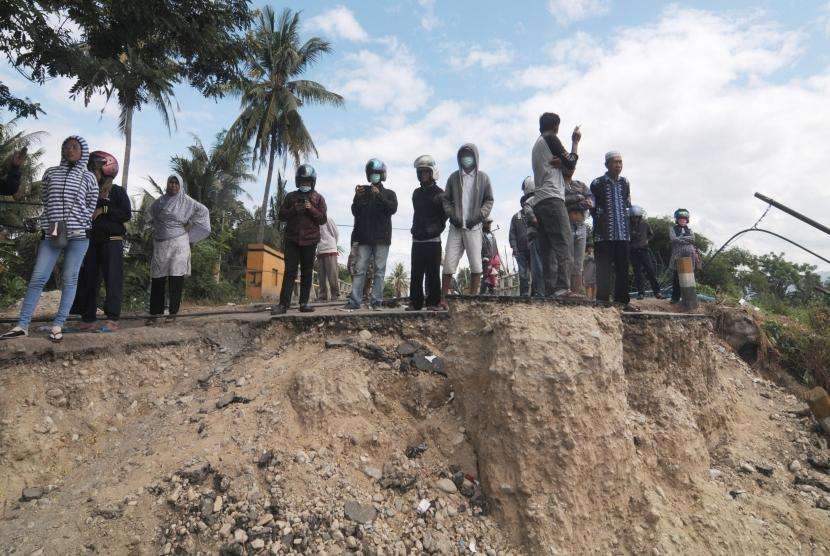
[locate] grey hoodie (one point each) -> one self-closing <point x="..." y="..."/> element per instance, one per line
<point x="482" y="193"/>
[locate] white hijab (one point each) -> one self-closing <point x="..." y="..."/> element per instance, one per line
<point x="175" y="215"/>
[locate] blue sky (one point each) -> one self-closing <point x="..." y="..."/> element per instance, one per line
<point x="708" y="102"/>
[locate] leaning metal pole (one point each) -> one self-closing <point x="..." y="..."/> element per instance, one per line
<point x="796" y="214"/>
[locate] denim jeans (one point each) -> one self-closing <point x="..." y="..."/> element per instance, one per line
<point x="537" y="274"/>
<point x="523" y="265"/>
<point x="47" y="256"/>
<point x="580" y="239"/>
<point x="378" y="254"/>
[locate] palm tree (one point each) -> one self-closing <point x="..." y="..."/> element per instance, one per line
<point x="134" y="83"/>
<point x="272" y="94"/>
<point x="399" y="280"/>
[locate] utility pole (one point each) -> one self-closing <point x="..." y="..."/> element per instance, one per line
<point x="793" y="213"/>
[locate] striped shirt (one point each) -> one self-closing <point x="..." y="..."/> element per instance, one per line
<point x="70" y="193"/>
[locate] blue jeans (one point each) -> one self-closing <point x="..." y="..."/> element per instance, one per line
<point x="523" y="265"/>
<point x="47" y="256"/>
<point x="364" y="253"/>
<point x="537" y="275"/>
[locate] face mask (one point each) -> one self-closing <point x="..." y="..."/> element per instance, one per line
<point x="304" y="188"/>
<point x="374" y="178"/>
<point x="467" y="161"/>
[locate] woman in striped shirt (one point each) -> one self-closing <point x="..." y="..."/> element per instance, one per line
<point x="70" y="193"/>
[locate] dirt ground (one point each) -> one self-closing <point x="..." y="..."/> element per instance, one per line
<point x="549" y="429"/>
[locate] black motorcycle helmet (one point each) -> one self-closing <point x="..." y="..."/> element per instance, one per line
<point x="376" y="166"/>
<point x="305" y="175"/>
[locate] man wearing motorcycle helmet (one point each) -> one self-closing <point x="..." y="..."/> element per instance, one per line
<point x="104" y="260"/>
<point x="372" y="207"/>
<point x="428" y="223"/>
<point x="303" y="212"/>
<point x="640" y="254"/>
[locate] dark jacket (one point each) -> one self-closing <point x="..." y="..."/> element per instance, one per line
<point x="641" y="233"/>
<point x="11" y="181"/>
<point x="373" y="215"/>
<point x="116" y="212"/>
<point x="612" y="199"/>
<point x="518" y="234"/>
<point x="302" y="225"/>
<point x="428" y="220"/>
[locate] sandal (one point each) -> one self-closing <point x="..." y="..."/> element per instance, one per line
<point x="56" y="334"/>
<point x="15" y="332"/>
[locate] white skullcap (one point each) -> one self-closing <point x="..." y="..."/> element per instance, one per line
<point x="612" y="154"/>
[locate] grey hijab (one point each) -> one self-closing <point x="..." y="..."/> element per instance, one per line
<point x="175" y="215"/>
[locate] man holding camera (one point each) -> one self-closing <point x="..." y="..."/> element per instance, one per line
<point x="303" y="212"/>
<point x="372" y="207"/>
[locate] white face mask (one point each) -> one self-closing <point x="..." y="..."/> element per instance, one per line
<point x="374" y="178"/>
<point x="304" y="188"/>
<point x="467" y="162"/>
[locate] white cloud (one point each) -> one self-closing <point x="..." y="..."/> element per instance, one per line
<point x="692" y="100"/>
<point x="487" y="59"/>
<point x="570" y="11"/>
<point x="429" y="20"/>
<point x="339" y="22"/>
<point x="383" y="82"/>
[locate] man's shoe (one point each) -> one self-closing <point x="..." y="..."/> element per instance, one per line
<point x="641" y="297"/>
<point x="376" y="307"/>
<point x="411" y="308"/>
<point x="306" y="308"/>
<point x="436" y="308"/>
<point x="659" y="295"/>
<point x="348" y="308"/>
<point x="279" y="310"/>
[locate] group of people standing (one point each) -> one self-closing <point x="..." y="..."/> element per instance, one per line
<point x="85" y="215"/>
<point x="84" y="219"/>
<point x="549" y="236"/>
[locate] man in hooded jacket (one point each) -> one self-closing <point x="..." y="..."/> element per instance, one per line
<point x="467" y="203"/>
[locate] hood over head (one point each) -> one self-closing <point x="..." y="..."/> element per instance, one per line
<point x="84" y="160"/>
<point x="467" y="146"/>
<point x="182" y="185"/>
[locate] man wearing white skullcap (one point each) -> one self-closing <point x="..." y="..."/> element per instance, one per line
<point x="612" y="199"/>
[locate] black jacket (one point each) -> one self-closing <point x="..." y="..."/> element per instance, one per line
<point x="518" y="234"/>
<point x="11" y="181"/>
<point x="641" y="234"/>
<point x="429" y="219"/>
<point x="373" y="215"/>
<point x="116" y="213"/>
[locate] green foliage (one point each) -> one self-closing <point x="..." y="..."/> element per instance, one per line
<point x="272" y="93"/>
<point x="122" y="44"/>
<point x="802" y="343"/>
<point x="397" y="283"/>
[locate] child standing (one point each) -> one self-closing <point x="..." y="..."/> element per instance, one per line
<point x="589" y="273"/>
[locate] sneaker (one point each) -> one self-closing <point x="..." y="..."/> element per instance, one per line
<point x="15" y="332"/>
<point x="171" y="319"/>
<point x="306" y="308"/>
<point x="279" y="310"/>
<point x="629" y="308"/>
<point x="376" y="307"/>
<point x="641" y="296"/>
<point x="347" y="308"/>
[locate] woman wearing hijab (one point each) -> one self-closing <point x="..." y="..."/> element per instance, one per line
<point x="178" y="222"/>
<point x="70" y="193"/>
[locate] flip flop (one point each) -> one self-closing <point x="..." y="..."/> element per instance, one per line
<point x="56" y="334"/>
